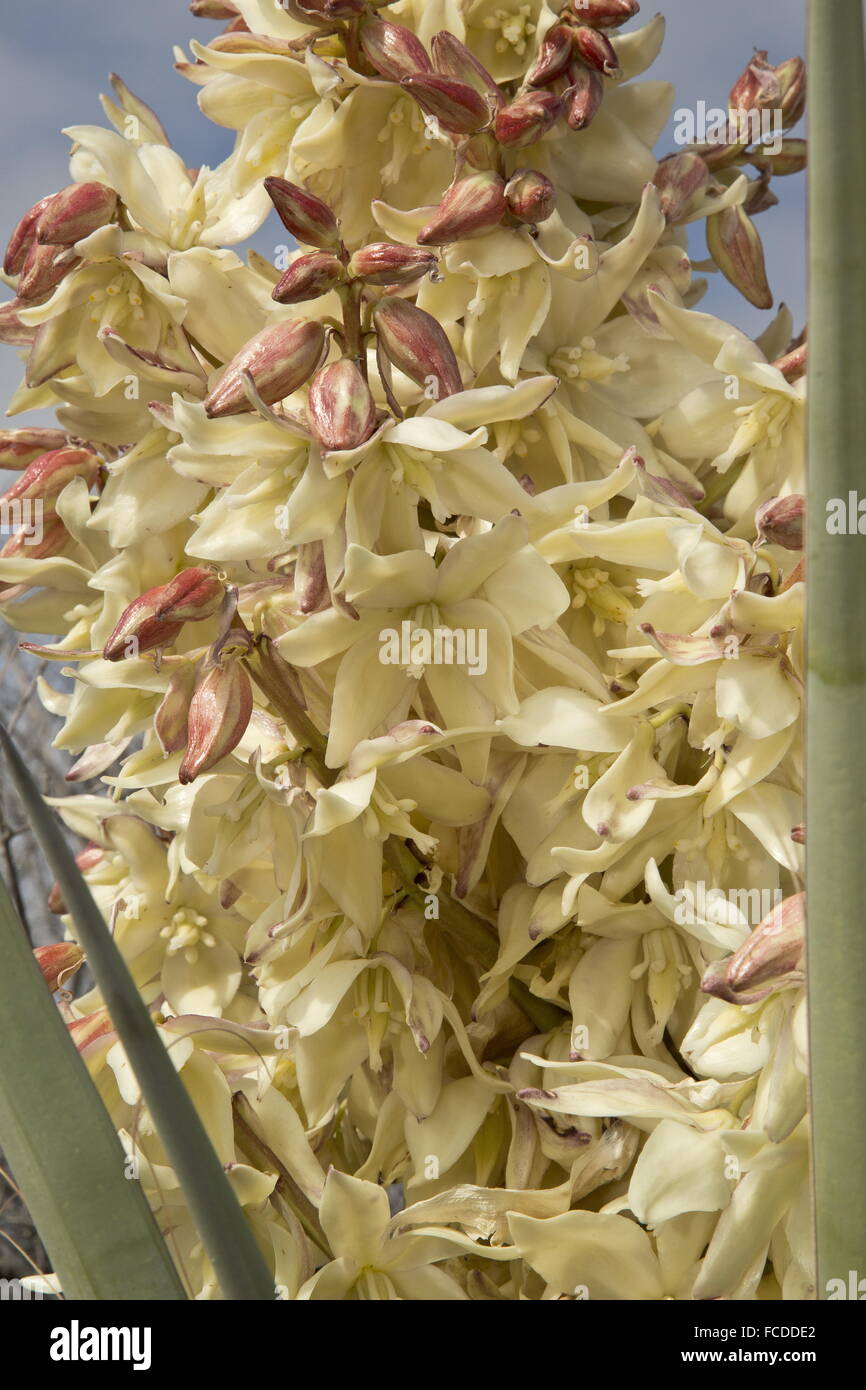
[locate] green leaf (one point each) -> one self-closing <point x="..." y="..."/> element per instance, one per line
<point x="226" y="1236"/>
<point x="67" y="1160"/>
<point x="836" y="646"/>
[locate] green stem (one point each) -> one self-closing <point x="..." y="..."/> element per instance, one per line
<point x="836" y="681"/>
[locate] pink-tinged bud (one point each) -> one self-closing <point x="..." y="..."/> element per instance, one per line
<point x="417" y="345"/>
<point x="54" y="541"/>
<point x="333" y="9"/>
<point x="553" y="59"/>
<point x="527" y="118"/>
<point x="383" y="263"/>
<point x="763" y="87"/>
<point x="309" y="277"/>
<point x="191" y="596"/>
<point x="394" y="51"/>
<point x="679" y="179"/>
<point x="170" y="720"/>
<point x="340" y="407"/>
<point x="47" y="476"/>
<point x="89" y="1029"/>
<point x="584" y="96"/>
<point x="75" y="212"/>
<point x="458" y="108"/>
<point x="59" y="962"/>
<point x="605" y="14"/>
<point x="12" y="330"/>
<point x="792" y="83"/>
<point x="798" y="834"/>
<point x="24" y="236"/>
<point x="596" y="50"/>
<point x="770" y="959"/>
<point x="792" y="158"/>
<point x="213" y="9"/>
<point x="452" y="58"/>
<point x="20" y="447"/>
<point x="43" y="269"/>
<point x="759" y="196"/>
<point x="735" y="245"/>
<point x="780" y="521"/>
<point x="530" y="195"/>
<point x="139" y="629"/>
<point x="279" y="360"/>
<point x="86" y="859"/>
<point x="794" y="363"/>
<point x="303" y="214"/>
<point x="218" y="717"/>
<point x="471" y="207"/>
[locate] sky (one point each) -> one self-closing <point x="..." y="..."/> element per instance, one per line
<point x="56" y="57"/>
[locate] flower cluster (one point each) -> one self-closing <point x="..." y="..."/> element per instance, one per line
<point x="433" y="600"/>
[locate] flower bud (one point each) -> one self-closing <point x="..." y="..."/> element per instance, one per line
<point x="191" y="596"/>
<point x="793" y="364"/>
<point x="605" y="14"/>
<point x="218" y="717"/>
<point x="792" y="158"/>
<point x="780" y="521"/>
<point x="798" y="834"/>
<point x="75" y="212"/>
<point x="452" y="58"/>
<point x="471" y="207"/>
<point x="54" y="541"/>
<point x="735" y="246"/>
<point x="383" y="263"/>
<point x="584" y="97"/>
<point x="596" y="50"/>
<point x="44" y="267"/>
<point x="20" y="447"/>
<point x="303" y="214"/>
<point x="530" y="195"/>
<point x="792" y="84"/>
<point x="770" y="958"/>
<point x="679" y="179"/>
<point x="340" y="408"/>
<point x="417" y="345"/>
<point x="139" y="629"/>
<point x="47" y="476"/>
<point x="394" y="51"/>
<point x="458" y="108"/>
<point x="170" y="720"/>
<point x="530" y="116"/>
<point x="763" y="87"/>
<point x="59" y="962"/>
<point x="91" y="1028"/>
<point x="279" y="360"/>
<point x="554" y="57"/>
<point x="12" y="330"/>
<point x="24" y="236"/>
<point x="213" y="9"/>
<point x="309" y="277"/>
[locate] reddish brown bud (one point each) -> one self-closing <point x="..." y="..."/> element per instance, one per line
<point x="471" y="207"/>
<point x="394" y="51"/>
<point x="452" y="58"/>
<point x="91" y="1028"/>
<point x="170" y="720"/>
<point x="792" y="158"/>
<point x="763" y="87"/>
<point x="605" y="14"/>
<point x="24" y="236"/>
<point x="735" y="245"/>
<point x="303" y="214"/>
<point x="679" y="179"/>
<point x="530" y="195"/>
<point x="75" y="212"/>
<point x="20" y="447"/>
<point x="12" y="330"/>
<point x="59" y="962"/>
<point x="279" y="360"/>
<point x="340" y="408"/>
<point x="770" y="958"/>
<point x="458" y="108"/>
<point x="554" y="57"/>
<point x="191" y="596"/>
<point x="382" y="263"/>
<point x="798" y="834"/>
<point x="47" y="476"/>
<point x="26" y="545"/>
<point x="86" y="859"/>
<point x="139" y="629"/>
<point x="43" y="269"/>
<point x="792" y="83"/>
<point x="218" y="717"/>
<point x="309" y="277"/>
<point x="527" y="118"/>
<point x="780" y="521"/>
<point x="584" y="96"/>
<point x="596" y="50"/>
<point x="417" y="345"/>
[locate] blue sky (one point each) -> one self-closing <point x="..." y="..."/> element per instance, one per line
<point x="56" y="58"/>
